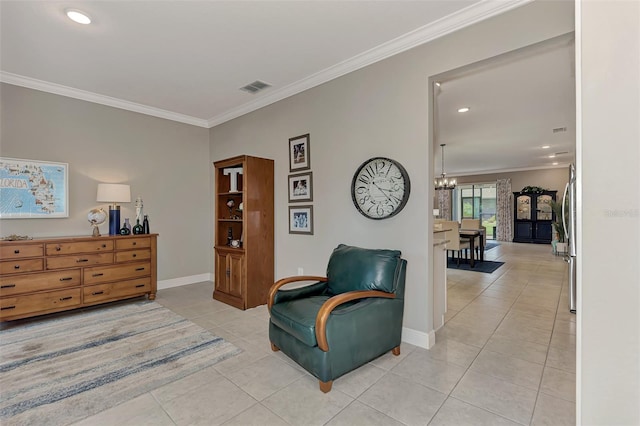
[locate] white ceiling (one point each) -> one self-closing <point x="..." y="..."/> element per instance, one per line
<point x="186" y="60"/>
<point x="516" y="101"/>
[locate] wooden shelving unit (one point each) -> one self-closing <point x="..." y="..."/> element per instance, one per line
<point x="244" y="274"/>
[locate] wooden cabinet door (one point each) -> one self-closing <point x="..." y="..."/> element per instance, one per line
<point x="523" y="232"/>
<point x="236" y="273"/>
<point x="222" y="283"/>
<point x="229" y="273"/>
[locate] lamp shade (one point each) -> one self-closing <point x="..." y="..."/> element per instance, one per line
<point x="113" y="193"/>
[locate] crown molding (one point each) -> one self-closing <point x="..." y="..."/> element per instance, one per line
<point x="513" y="170"/>
<point x="463" y="18"/>
<point x="70" y="92"/>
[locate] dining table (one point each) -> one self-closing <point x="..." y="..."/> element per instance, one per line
<point x="471" y="235"/>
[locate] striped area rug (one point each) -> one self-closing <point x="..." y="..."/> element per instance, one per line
<point x="59" y="370"/>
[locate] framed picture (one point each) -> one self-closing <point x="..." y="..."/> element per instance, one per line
<point x="299" y="155"/>
<point x="301" y="187"/>
<point x="31" y="189"/>
<point x="301" y="220"/>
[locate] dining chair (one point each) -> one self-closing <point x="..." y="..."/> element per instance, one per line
<point x="475" y="224"/>
<point x="455" y="244"/>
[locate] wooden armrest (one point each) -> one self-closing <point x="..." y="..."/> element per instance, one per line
<point x="335" y="301"/>
<point x="274" y="288"/>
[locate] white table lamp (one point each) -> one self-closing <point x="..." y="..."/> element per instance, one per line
<point x="114" y="193"/>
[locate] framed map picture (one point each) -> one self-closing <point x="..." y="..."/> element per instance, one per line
<point x="31" y="189"/>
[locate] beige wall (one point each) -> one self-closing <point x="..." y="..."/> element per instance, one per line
<point x="608" y="38"/>
<point x="381" y="110"/>
<point x="551" y="179"/>
<point x="165" y="162"/>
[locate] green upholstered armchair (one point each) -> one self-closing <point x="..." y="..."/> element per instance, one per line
<point x="343" y="320"/>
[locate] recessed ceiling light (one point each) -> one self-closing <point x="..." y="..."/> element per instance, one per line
<point x="546" y="146"/>
<point x="464" y="109"/>
<point x="77" y="16"/>
<point x="555" y="163"/>
<point x="552" y="156"/>
<point x="438" y="83"/>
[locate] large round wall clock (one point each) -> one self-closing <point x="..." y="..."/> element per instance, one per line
<point x="380" y="188"/>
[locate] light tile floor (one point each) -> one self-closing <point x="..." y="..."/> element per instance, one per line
<point x="505" y="356"/>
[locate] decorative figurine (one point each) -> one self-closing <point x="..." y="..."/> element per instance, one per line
<point x="138" y="209"/>
<point x="231" y="204"/>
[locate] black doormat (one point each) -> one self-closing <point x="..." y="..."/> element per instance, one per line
<point x="489" y="245"/>
<point x="486" y="266"/>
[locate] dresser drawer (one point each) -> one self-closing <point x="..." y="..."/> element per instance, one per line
<point x="59" y="262"/>
<point x="133" y="243"/>
<point x="22" y="265"/>
<point x="102" y="274"/>
<point x="129" y="255"/>
<point x="39" y="302"/>
<point x="18" y="251"/>
<point x="72" y="247"/>
<point x="118" y="290"/>
<point x="27" y="283"/>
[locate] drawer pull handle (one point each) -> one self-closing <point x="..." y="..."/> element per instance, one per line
<point x="16" y="251"/>
<point x="97" y="275"/>
<point x="62" y="299"/>
<point x="140" y="285"/>
<point x="139" y="269"/>
<point x="58" y="248"/>
<point x="82" y="260"/>
<point x="6" y="308"/>
<point x="104" y="246"/>
<point x="16" y="267"/>
<point x="66" y="279"/>
<point x="8" y="286"/>
<point x="134" y="255"/>
<point x="134" y="243"/>
<point x="95" y="293"/>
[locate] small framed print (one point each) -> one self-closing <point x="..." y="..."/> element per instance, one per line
<point x="301" y="187"/>
<point x="301" y="220"/>
<point x="299" y="155"/>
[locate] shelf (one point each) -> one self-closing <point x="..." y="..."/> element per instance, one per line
<point x="227" y="194"/>
<point x="238" y="249"/>
<point x="230" y="220"/>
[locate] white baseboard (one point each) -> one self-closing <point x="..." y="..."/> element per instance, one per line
<point x="177" y="282"/>
<point x="419" y="338"/>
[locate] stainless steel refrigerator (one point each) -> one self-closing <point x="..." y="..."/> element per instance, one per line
<point x="569" y="224"/>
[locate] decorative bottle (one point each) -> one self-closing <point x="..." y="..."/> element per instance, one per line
<point x="127" y="224"/>
<point x="137" y="228"/>
<point x="229" y="236"/>
<point x="145" y="225"/>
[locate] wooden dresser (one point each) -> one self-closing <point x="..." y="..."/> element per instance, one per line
<point x="42" y="276"/>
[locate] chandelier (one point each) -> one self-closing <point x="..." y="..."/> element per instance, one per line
<point x="442" y="182"/>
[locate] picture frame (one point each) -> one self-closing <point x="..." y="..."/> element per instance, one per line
<point x="33" y="189"/>
<point x="301" y="220"/>
<point x="299" y="153"/>
<point x="301" y="187"/>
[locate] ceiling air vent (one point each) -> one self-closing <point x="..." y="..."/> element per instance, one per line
<point x="255" y="87"/>
<point x="559" y="129"/>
